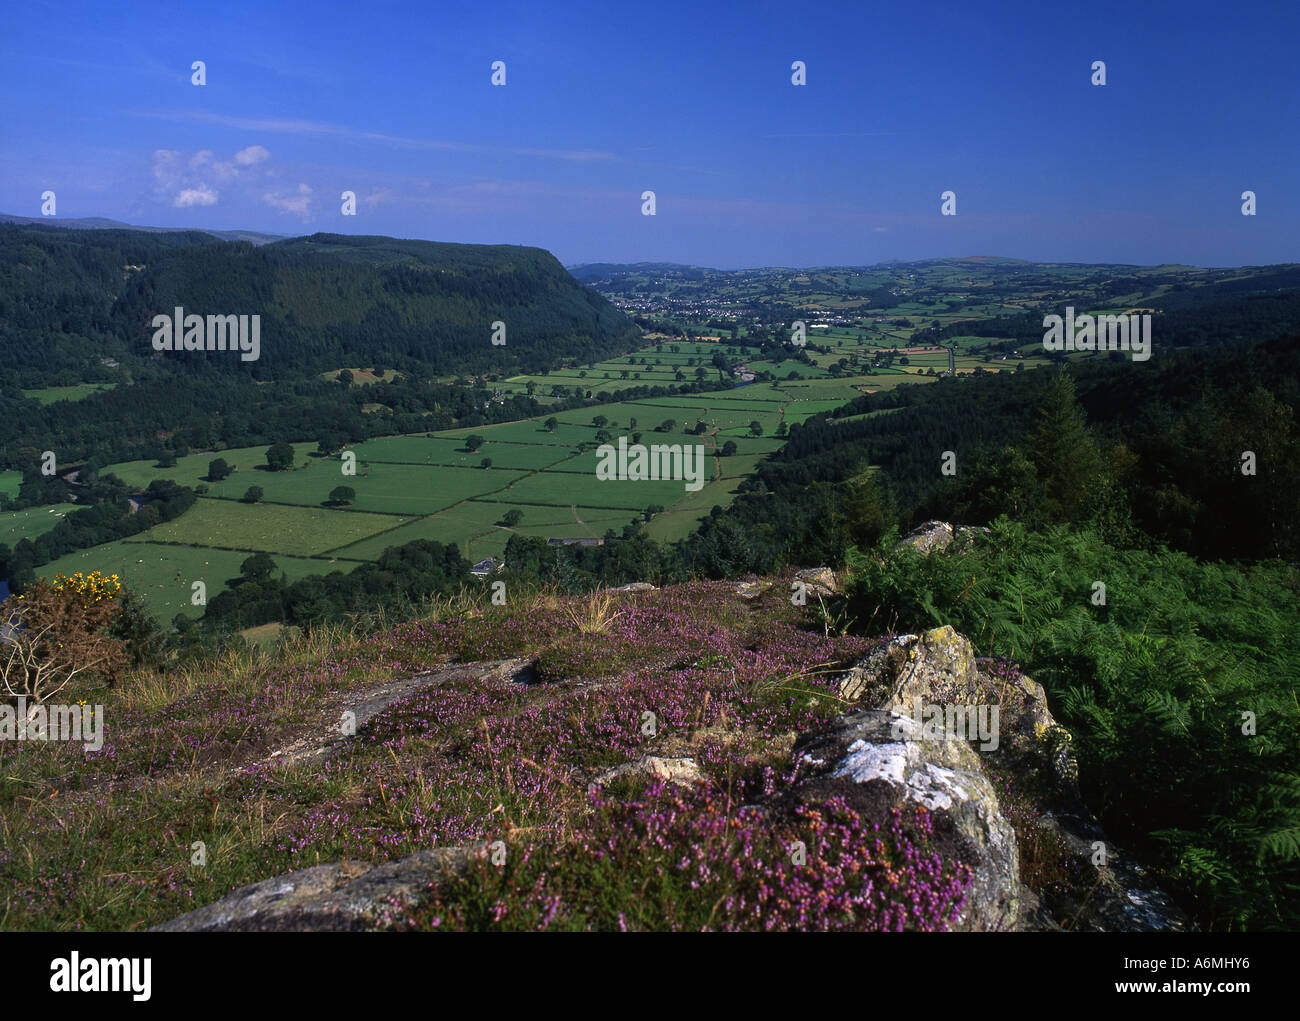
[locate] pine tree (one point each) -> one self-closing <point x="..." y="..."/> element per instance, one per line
<point x="1064" y="454"/>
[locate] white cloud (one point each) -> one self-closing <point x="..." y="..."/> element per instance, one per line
<point x="253" y="154"/>
<point x="183" y="182"/>
<point x="298" y="204"/>
<point x="200" y="196"/>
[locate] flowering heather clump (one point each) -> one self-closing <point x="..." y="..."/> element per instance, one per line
<point x="691" y="860"/>
<point x="515" y="759"/>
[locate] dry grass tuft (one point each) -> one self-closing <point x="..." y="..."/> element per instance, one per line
<point x="593" y="615"/>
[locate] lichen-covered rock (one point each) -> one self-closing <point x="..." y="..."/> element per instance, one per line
<point x="1031" y="720"/>
<point x="937" y="667"/>
<point x="887" y="748"/>
<point x="940" y="535"/>
<point x="818" y="580"/>
<point x="914" y="674"/>
<point x="928" y="537"/>
<point x="867" y="679"/>
<point x="681" y="771"/>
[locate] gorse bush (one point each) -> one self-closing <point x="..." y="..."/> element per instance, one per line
<point x="57" y="631"/>
<point x="1179" y="689"/>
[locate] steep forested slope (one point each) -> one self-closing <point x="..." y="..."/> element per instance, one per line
<point x="72" y="300"/>
<point x="57" y="292"/>
<point x="329" y="300"/>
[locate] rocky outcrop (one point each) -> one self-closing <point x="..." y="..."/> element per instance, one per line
<point x="820" y="581"/>
<point x="918" y="687"/>
<point x="1125" y="899"/>
<point x="938" y="666"/>
<point x="939" y="535"/>
<point x="890" y="750"/>
<point x="752" y="589"/>
<point x="353" y="711"/>
<point x="815" y="581"/>
<point x="928" y="537"/>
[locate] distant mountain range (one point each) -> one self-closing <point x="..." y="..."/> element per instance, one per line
<point x="103" y="223"/>
<point x="598" y="270"/>
<point x="586" y="272"/>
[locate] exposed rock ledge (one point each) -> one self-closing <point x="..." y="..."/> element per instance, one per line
<point x="345" y="896"/>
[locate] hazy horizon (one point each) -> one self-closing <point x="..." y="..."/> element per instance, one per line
<point x="63" y="222"/>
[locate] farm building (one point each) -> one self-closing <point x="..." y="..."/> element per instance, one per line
<point x="486" y="566"/>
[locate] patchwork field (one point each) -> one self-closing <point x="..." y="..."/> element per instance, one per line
<point x="429" y="486"/>
<point x="433" y="486"/>
<point x="657" y="363"/>
<point x="452" y="453"/>
<point x="556" y="490"/>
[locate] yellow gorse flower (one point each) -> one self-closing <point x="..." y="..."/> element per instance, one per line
<point x="95" y="586"/>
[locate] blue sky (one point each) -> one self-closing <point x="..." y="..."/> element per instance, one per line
<point x="394" y="102"/>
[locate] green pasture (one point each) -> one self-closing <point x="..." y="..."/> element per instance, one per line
<point x="77" y="392"/>
<point x="563" y="490"/>
<point x="380" y="487"/>
<point x="15" y="526"/>
<point x="439" y="450"/>
<point x="267" y="527"/>
<point x="192" y="469"/>
<point x="783" y="369"/>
